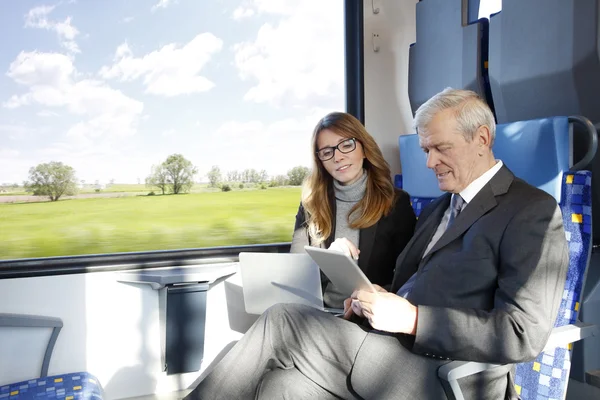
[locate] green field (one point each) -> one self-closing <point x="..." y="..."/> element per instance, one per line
<point x="142" y="223"/>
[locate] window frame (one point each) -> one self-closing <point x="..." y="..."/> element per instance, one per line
<point x="77" y="264"/>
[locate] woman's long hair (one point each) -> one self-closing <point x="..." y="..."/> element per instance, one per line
<point x="318" y="186"/>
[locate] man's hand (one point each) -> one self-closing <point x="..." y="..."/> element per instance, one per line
<point x="348" y="309"/>
<point x="352" y="306"/>
<point x="385" y="311"/>
<point x="345" y="246"/>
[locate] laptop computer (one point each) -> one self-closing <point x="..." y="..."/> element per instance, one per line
<point x="272" y="278"/>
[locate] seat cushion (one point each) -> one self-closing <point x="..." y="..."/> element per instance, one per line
<point x="547" y="376"/>
<point x="79" y="385"/>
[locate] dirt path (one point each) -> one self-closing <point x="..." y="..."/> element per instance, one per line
<point x="32" y="199"/>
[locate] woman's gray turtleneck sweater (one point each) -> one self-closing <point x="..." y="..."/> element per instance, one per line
<point x="346" y="197"/>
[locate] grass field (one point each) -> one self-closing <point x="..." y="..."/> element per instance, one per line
<point x="142" y="223"/>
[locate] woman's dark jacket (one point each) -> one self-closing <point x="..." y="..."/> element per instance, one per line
<point x="379" y="244"/>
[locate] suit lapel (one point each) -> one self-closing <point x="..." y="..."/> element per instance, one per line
<point x="426" y="231"/>
<point x="409" y="259"/>
<point x="483" y="202"/>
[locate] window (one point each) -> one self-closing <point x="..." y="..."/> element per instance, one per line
<point x="489" y="7"/>
<point x="133" y="102"/>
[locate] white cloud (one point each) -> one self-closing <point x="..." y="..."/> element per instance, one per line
<point x="103" y="161"/>
<point x="170" y="71"/>
<point x="162" y="4"/>
<point x="15" y="102"/>
<point x="51" y="80"/>
<point x="242" y="12"/>
<point x="12" y="132"/>
<point x="38" y="18"/>
<point x="15" y="157"/>
<point x="6" y="153"/>
<point x="47" y="113"/>
<point x="169" y="133"/>
<point x="13" y="165"/>
<point x="23" y="133"/>
<point x="41" y="69"/>
<point x="275" y="147"/>
<point x="300" y="60"/>
<point x="127" y="19"/>
<point x="282" y="7"/>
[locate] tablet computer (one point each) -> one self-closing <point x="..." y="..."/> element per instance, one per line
<point x="340" y="269"/>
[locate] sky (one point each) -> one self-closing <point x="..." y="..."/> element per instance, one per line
<point x="112" y="87"/>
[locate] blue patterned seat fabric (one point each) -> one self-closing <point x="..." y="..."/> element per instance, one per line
<point x="547" y="376"/>
<point x="81" y="385"/>
<point x="418" y="203"/>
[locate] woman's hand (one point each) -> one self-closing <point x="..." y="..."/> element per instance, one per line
<point x="345" y="246"/>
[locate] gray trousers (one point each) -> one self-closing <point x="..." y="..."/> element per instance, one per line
<point x="298" y="352"/>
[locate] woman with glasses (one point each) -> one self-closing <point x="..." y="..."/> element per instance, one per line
<point x="349" y="203"/>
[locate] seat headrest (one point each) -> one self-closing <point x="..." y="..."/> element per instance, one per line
<point x="417" y="179"/>
<point x="536" y="151"/>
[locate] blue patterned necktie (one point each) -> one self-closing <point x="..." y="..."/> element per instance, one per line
<point x="456" y="204"/>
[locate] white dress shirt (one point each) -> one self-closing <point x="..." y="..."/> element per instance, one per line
<point x="467" y="194"/>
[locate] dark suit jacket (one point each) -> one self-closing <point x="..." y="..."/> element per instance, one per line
<point x="493" y="282"/>
<point x="379" y="244"/>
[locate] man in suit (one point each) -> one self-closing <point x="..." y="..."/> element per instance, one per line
<point x="481" y="280"/>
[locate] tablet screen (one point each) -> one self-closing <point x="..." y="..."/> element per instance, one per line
<point x="340" y="269"/>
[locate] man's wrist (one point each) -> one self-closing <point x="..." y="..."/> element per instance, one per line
<point x="414" y="316"/>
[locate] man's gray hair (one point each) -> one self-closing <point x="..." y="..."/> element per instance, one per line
<point x="471" y="112"/>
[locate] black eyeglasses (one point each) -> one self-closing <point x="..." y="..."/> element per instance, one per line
<point x="347" y="146"/>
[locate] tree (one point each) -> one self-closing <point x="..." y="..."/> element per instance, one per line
<point x="250" y="175"/>
<point x="52" y="179"/>
<point x="296" y="175"/>
<point x="263" y="176"/>
<point x="254" y="177"/>
<point x="279" y="180"/>
<point x="214" y="176"/>
<point x="158" y="178"/>
<point x="180" y="173"/>
<point x="233" y="176"/>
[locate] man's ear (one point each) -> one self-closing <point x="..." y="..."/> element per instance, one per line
<point x="483" y="136"/>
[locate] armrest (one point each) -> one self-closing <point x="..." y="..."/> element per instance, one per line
<point x="451" y="372"/>
<point x="35" y="321"/>
<point x="29" y="321"/>
<point x="570" y="333"/>
<point x="459" y="369"/>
